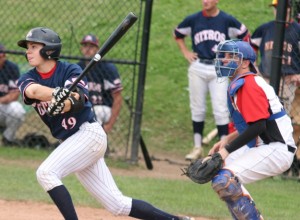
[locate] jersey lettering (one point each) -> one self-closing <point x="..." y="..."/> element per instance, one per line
<point x="41" y="108"/>
<point x="211" y="35"/>
<point x="286" y="46"/>
<point x="96" y="99"/>
<point x="93" y="86"/>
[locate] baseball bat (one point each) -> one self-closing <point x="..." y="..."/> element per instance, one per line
<point x="145" y="152"/>
<point x="211" y="135"/>
<point x="115" y="36"/>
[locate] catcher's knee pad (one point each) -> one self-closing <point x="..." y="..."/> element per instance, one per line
<point x="244" y="209"/>
<point x="227" y="185"/>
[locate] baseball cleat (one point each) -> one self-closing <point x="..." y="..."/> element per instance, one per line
<point x="196" y="153"/>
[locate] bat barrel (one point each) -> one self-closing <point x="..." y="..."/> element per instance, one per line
<point x="115" y="36"/>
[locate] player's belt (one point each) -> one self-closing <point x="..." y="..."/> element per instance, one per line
<point x="206" y="61"/>
<point x="291" y="149"/>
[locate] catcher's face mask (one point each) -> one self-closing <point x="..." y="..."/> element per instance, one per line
<point x="230" y="55"/>
<point x="228" y="59"/>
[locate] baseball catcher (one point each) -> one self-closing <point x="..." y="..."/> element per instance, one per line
<point x="205" y="169"/>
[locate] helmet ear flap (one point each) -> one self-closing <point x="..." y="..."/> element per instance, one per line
<point x="50" y="52"/>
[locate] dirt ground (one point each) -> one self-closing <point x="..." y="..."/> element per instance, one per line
<point x="164" y="167"/>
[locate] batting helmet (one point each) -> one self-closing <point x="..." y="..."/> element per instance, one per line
<point x="237" y="51"/>
<point x="46" y="36"/>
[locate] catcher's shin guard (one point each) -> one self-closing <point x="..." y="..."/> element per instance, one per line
<point x="229" y="189"/>
<point x="244" y="209"/>
<point x="227" y="185"/>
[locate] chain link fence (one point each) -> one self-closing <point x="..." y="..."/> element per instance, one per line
<point x="72" y="20"/>
<point x="285" y="70"/>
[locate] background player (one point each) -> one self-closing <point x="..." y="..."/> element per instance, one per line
<point x="207" y="28"/>
<point x="12" y="113"/>
<point x="263" y="40"/>
<point x="105" y="87"/>
<point x="258" y="115"/>
<point x="83" y="140"/>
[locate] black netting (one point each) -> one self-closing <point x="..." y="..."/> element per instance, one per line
<point x="72" y="20"/>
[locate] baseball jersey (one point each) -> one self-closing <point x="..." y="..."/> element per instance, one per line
<point x="9" y="75"/>
<point x="103" y="80"/>
<point x="263" y="39"/>
<point x="207" y="32"/>
<point x="63" y="74"/>
<point x="256" y="100"/>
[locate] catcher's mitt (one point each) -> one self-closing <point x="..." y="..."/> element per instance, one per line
<point x="203" y="170"/>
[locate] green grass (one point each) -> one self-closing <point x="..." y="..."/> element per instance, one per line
<point x="166" y="128"/>
<point x="277" y="199"/>
<point x="167" y="122"/>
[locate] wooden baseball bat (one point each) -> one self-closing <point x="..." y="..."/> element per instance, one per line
<point x="115" y="36"/>
<point x="211" y="135"/>
<point x="146" y="154"/>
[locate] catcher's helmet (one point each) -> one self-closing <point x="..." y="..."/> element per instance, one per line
<point x="45" y="36"/>
<point x="237" y="51"/>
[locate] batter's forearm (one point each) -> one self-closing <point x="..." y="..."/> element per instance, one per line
<point x="39" y="92"/>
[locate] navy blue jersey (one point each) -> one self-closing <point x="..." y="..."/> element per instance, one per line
<point x="263" y="39"/>
<point x="9" y="75"/>
<point x="64" y="125"/>
<point x="207" y="32"/>
<point x="103" y="80"/>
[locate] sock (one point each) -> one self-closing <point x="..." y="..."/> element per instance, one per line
<point x="197" y="140"/>
<point x="62" y="199"/>
<point x="198" y="133"/>
<point x="222" y="130"/>
<point x="143" y="210"/>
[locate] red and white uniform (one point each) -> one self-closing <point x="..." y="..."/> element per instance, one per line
<point x="256" y="100"/>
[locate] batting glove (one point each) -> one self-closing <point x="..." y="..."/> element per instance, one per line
<point x="55" y="108"/>
<point x="60" y="94"/>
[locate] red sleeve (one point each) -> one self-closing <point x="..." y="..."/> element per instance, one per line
<point x="252" y="101"/>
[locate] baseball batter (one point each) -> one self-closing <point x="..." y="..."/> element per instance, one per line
<point x="263" y="40"/>
<point x="83" y="140"/>
<point x="258" y="115"/>
<point x="207" y="28"/>
<point x="12" y="113"/>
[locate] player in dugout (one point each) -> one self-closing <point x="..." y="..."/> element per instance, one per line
<point x="12" y="113"/>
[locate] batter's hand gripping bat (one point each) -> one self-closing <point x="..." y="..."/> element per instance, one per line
<point x="115" y="36"/>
